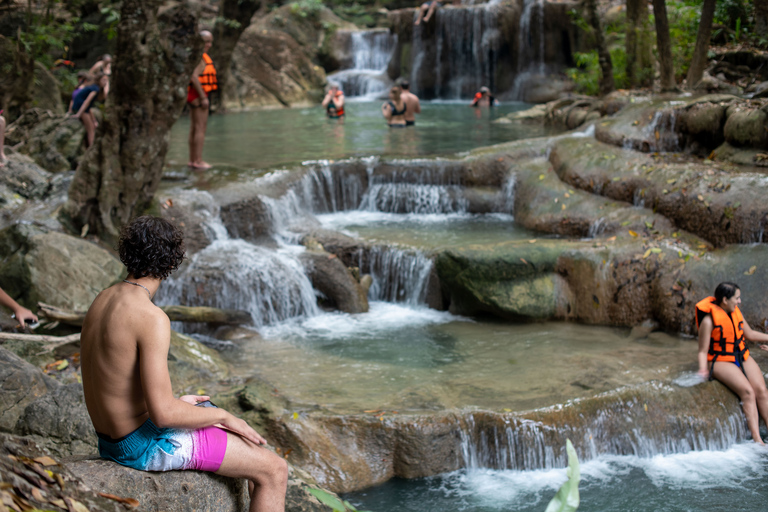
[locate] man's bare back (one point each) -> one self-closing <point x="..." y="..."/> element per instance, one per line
<point x="118" y="318"/>
<point x="413" y="106"/>
<point x="124" y="360"/>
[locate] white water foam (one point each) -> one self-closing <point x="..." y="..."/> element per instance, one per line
<point x="697" y="471"/>
<point x="382" y="317"/>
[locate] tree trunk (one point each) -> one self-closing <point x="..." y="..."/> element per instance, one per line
<point x="761" y="18"/>
<point x="639" y="67"/>
<point x="699" y="60"/>
<point x="604" y="56"/>
<point x="118" y="176"/>
<point x="664" y="46"/>
<point x="17" y="84"/>
<point x="233" y="18"/>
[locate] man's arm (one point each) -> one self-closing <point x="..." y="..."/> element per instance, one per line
<point x="22" y="313"/>
<point x="197" y="85"/>
<point x="417" y="107"/>
<point x="165" y="410"/>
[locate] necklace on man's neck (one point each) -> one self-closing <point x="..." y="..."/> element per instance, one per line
<point x="139" y="284"/>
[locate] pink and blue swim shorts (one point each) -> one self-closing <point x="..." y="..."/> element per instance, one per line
<point x="150" y="448"/>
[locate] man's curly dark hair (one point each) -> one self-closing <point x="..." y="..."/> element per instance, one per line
<point x="151" y="247"/>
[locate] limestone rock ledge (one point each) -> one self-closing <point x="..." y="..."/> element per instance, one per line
<point x="183" y="490"/>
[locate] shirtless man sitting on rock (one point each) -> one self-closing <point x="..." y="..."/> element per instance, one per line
<point x="124" y="354"/>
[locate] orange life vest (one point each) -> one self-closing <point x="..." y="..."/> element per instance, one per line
<point x="726" y="343"/>
<point x="208" y="76"/>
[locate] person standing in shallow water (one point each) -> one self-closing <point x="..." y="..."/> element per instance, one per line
<point x="124" y="363"/>
<point x="723" y="354"/>
<point x="394" y="110"/>
<point x="201" y="85"/>
<point x="412" y="104"/>
<point x="334" y="102"/>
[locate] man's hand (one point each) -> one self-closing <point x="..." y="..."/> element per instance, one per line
<point x="243" y="429"/>
<point x="194" y="399"/>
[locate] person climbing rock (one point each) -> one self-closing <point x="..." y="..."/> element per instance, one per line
<point x="723" y="354"/>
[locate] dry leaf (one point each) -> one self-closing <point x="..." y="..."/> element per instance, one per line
<point x="647" y="253"/>
<point x="532" y="241"/>
<point x="657" y="134"/>
<point x="750" y="271"/>
<point x="131" y="502"/>
<point x="84" y="231"/>
<point x="632" y="233"/>
<point x="46" y="461"/>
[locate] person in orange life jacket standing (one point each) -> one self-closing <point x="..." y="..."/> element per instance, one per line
<point x="202" y="83"/>
<point x="484" y="98"/>
<point x="723" y="354"/>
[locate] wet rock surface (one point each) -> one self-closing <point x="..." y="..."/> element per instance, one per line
<point x="54" y="141"/>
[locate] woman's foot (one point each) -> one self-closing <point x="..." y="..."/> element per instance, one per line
<point x="199" y="165"/>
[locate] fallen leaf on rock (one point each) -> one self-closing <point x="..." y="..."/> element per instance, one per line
<point x="131" y="502"/>
<point x="46" y="461"/>
<point x="751" y="270"/>
<point x="632" y="233"/>
<point x="532" y="241"/>
<point x="647" y="253"/>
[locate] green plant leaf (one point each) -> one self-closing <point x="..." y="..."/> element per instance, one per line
<point x="567" y="498"/>
<point x="327" y="498"/>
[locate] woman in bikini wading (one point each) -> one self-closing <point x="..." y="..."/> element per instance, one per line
<point x="394" y="109"/>
<point x="723" y="354"/>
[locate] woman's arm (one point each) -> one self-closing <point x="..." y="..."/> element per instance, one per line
<point x="753" y="335"/>
<point x="338" y="101"/>
<point x="326" y="100"/>
<point x="22" y="313"/>
<point x="386" y="111"/>
<point x="705" y="333"/>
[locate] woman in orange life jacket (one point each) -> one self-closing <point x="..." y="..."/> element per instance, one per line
<point x="723" y="354"/>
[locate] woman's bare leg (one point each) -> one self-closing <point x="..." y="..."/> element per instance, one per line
<point x="90" y="130"/>
<point x="732" y="376"/>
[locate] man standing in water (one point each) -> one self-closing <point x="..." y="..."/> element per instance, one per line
<point x="201" y="85"/>
<point x="124" y="355"/>
<point x="412" y="104"/>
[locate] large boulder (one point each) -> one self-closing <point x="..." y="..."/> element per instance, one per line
<point x="47" y="90"/>
<point x="53" y="140"/>
<point x="59" y="422"/>
<point x="58" y="269"/>
<point x="21" y="384"/>
<point x="341" y="289"/>
<point x="179" y="491"/>
<point x="747" y="127"/>
<point x="195" y="212"/>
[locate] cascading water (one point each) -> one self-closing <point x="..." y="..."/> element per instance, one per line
<point x="398" y="275"/>
<point x="233" y="274"/>
<point x="464" y="57"/>
<point x="530" y="58"/>
<point x="371" y="51"/>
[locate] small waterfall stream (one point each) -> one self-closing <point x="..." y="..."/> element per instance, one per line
<point x="371" y="51"/>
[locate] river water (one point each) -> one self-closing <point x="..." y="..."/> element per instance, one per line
<point x="402" y="357"/>
<point x="267" y="138"/>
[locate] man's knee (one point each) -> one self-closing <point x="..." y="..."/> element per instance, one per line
<point x="276" y="470"/>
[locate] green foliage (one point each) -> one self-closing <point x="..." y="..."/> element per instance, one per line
<point x="112" y="18"/>
<point x="684" y="16"/>
<point x="567" y="498"/>
<point x="586" y="74"/>
<point x="45" y="38"/>
<point x="309" y="9"/>
<point x="332" y="501"/>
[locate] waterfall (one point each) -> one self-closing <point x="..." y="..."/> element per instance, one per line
<point x="371" y="52"/>
<point x="530" y="49"/>
<point x="518" y="443"/>
<point x="324" y="190"/>
<point x="507" y="203"/>
<point x="661" y="132"/>
<point x="398" y="275"/>
<point x="464" y="55"/>
<point x="233" y="274"/>
<point x="410" y="198"/>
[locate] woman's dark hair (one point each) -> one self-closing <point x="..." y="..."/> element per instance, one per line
<point x="151" y="247"/>
<point x="725" y="290"/>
